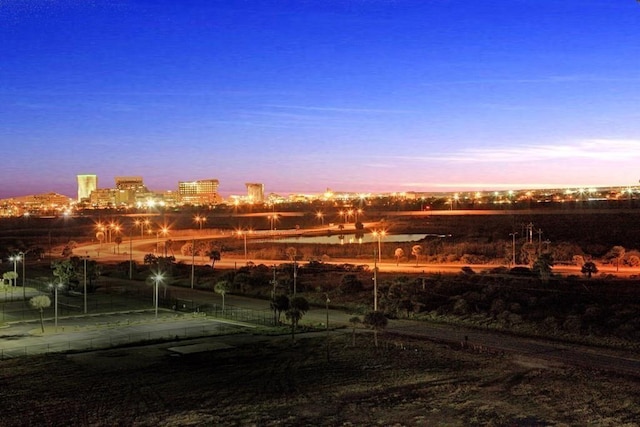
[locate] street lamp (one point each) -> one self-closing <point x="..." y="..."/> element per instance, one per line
<point x="21" y="256"/>
<point x="55" y="304"/>
<point x="379" y="234"/>
<point x="200" y="220"/>
<point x="15" y="259"/>
<point x="164" y="231"/>
<point x="513" y="248"/>
<point x="84" y="259"/>
<point x="157" y="278"/>
<point x="327" y="301"/>
<point x="244" y="233"/>
<point x="320" y="216"/>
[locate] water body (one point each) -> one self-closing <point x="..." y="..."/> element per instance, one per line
<point x="346" y="239"/>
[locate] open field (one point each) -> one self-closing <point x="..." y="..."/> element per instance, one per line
<point x="316" y="381"/>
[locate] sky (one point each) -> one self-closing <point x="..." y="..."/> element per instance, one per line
<point x="305" y="95"/>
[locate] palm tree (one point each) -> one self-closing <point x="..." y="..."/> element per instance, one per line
<point x="355" y="321"/>
<point x="279" y="304"/>
<point x="40" y="302"/>
<point x="416" y="251"/>
<point x="399" y="253"/>
<point x="298" y="306"/>
<point x="222" y="287"/>
<point x="377" y="321"/>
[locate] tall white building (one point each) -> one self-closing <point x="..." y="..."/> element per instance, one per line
<point x="86" y="185"/>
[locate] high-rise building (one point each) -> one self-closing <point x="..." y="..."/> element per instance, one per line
<point x="86" y="184"/>
<point x="200" y="192"/>
<point x="255" y="192"/>
<point x="130" y="190"/>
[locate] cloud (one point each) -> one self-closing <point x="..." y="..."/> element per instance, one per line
<point x="597" y="149"/>
<point x="340" y="109"/>
<point x="577" y="78"/>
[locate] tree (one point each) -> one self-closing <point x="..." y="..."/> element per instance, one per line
<point x="11" y="276"/>
<point x="589" y="268"/>
<point x="63" y="270"/>
<point x="543" y="266"/>
<point x="279" y="304"/>
<point x="416" y="251"/>
<point x="291" y="253"/>
<point x="355" y="321"/>
<point x="39" y="303"/>
<point x="67" y="251"/>
<point x="214" y="255"/>
<point x="617" y="253"/>
<point x="118" y="241"/>
<point x="298" y="306"/>
<point x="399" y="254"/>
<point x="150" y="259"/>
<point x="222" y="287"/>
<point x="377" y="321"/>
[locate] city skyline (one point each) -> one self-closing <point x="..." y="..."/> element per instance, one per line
<point x="362" y="96"/>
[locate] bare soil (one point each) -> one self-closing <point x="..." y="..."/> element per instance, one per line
<point x="319" y="380"/>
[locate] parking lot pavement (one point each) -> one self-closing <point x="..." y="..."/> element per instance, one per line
<point x="108" y="330"/>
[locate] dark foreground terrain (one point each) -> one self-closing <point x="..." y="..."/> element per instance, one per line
<point x="318" y="380"/>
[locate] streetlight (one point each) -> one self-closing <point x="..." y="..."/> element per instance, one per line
<point x="200" y="220"/>
<point x="327" y="301"/>
<point x="379" y="234"/>
<point x="157" y="278"/>
<point x="513" y="247"/>
<point x="164" y="231"/>
<point x="375" y="281"/>
<point x="84" y="259"/>
<point x="320" y="216"/>
<point x="55" y="304"/>
<point x="244" y="233"/>
<point x="15" y="259"/>
<point x="21" y="256"/>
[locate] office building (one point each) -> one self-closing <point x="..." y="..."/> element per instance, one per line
<point x="202" y="192"/>
<point x="255" y="192"/>
<point x="86" y="184"/>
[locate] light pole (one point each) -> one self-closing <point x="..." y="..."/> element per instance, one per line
<point x="320" y="216"/>
<point x="375" y="281"/>
<point x="379" y="234"/>
<point x="327" y="301"/>
<point x="85" y="258"/>
<point x="243" y="233"/>
<point x="193" y="261"/>
<point x="15" y="259"/>
<point x="199" y="220"/>
<point x="513" y="247"/>
<point x="157" y="278"/>
<point x="55" y="303"/>
<point x="22" y="255"/>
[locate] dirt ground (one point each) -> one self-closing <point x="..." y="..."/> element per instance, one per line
<point x="322" y="380"/>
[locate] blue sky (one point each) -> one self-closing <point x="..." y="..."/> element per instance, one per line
<point x="352" y="95"/>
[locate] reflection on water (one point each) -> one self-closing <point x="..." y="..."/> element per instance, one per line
<point x="348" y="239"/>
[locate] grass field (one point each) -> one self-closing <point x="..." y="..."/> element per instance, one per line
<point x="319" y="380"/>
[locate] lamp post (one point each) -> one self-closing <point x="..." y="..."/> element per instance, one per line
<point x="15" y="259"/>
<point x="84" y="259"/>
<point x="320" y="216"/>
<point x="21" y="256"/>
<point x="157" y="278"/>
<point x="375" y="281"/>
<point x="193" y="261"/>
<point x="243" y="233"/>
<point x="327" y="301"/>
<point x="379" y="234"/>
<point x="55" y="303"/>
<point x="200" y="220"/>
<point x="513" y="247"/>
